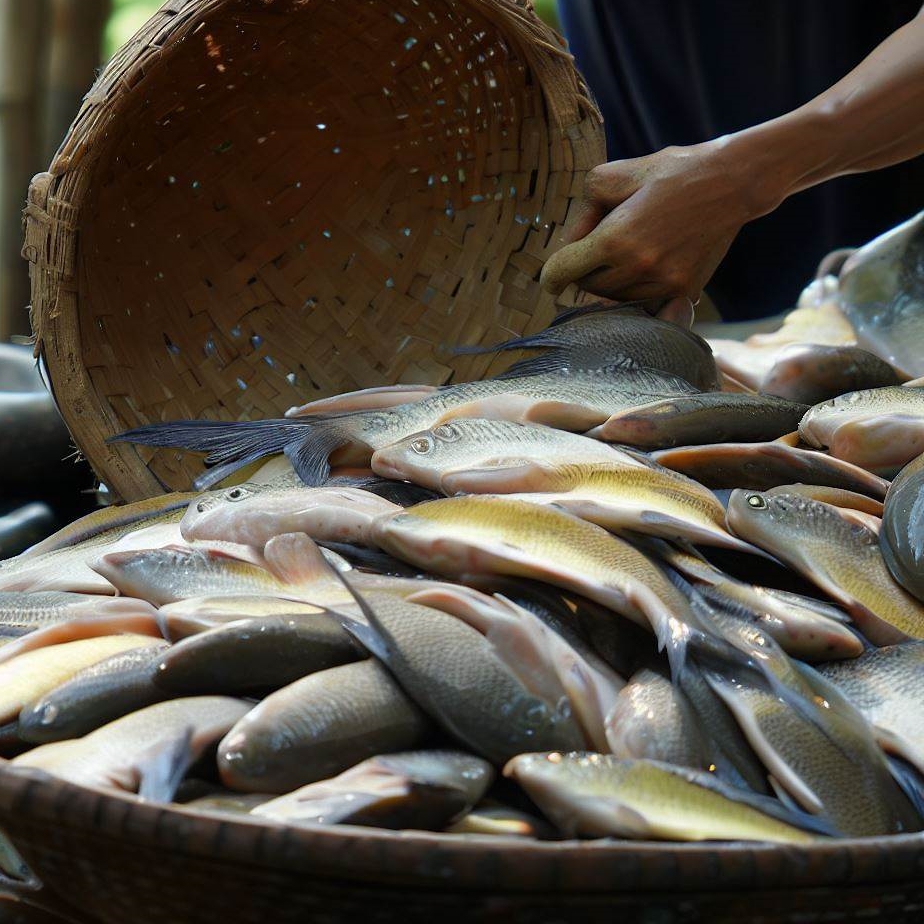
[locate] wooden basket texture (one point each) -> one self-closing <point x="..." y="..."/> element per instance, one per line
<point x="110" y="858"/>
<point x="262" y="202"/>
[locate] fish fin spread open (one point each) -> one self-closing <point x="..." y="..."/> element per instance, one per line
<point x="162" y="771"/>
<point x="296" y="559"/>
<point x="231" y="445"/>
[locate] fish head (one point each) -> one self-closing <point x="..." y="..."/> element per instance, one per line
<point x="422" y="457"/>
<point x="423" y="541"/>
<point x="216" y="515"/>
<point x="762" y="518"/>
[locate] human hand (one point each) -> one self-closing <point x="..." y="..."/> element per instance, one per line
<point x="658" y="226"/>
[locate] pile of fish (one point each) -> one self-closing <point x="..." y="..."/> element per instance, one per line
<point x="619" y="590"/>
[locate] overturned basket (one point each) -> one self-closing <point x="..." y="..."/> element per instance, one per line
<point x="262" y="202"/>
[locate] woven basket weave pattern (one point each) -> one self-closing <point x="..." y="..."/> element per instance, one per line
<point x="262" y="203"/>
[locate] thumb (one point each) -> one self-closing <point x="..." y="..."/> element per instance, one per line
<point x="605" y="187"/>
<point x="573" y="262"/>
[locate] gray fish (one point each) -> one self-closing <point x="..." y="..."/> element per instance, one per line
<point x="842" y="558"/>
<point x="425" y="790"/>
<point x="95" y="696"/>
<point x="147" y="751"/>
<point x="257" y="654"/>
<point x="810" y="372"/>
<point x="653" y="719"/>
<point x="706" y="418"/>
<point x="600" y="795"/>
<point x="458" y="677"/>
<point x="881" y="290"/>
<point x="901" y="538"/>
<point x="887" y="686"/>
<point x="593" y="336"/>
<point x="760" y="466"/>
<point x="318" y="727"/>
<point x="568" y="399"/>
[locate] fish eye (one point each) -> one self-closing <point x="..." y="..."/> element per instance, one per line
<point x="238" y="493"/>
<point x="422" y="445"/>
<point x="447" y="433"/>
<point x="756" y="501"/>
<point x="201" y="507"/>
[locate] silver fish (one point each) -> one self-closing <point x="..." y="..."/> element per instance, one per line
<point x="901" y="539"/>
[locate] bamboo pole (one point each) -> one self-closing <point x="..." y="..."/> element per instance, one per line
<point x="22" y="46"/>
<point x="75" y="56"/>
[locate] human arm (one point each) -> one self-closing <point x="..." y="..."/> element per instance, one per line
<point x="659" y="225"/>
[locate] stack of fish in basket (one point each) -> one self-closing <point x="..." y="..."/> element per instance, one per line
<point x="636" y="586"/>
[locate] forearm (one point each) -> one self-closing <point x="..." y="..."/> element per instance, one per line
<point x="872" y="118"/>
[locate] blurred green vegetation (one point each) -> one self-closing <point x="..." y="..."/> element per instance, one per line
<point x="548" y="10"/>
<point x="128" y="16"/>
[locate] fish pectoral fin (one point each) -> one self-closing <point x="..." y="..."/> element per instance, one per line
<point x="365" y="399"/>
<point x="161" y="770"/>
<point x="563" y="415"/>
<point x="525" y="475"/>
<point x="893" y="743"/>
<point x="789" y="439"/>
<point x="296" y="559"/>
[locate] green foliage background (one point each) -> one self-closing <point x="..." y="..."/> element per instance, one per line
<point x="129" y="15"/>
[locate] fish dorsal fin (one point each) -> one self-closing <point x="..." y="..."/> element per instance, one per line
<point x="294" y="558"/>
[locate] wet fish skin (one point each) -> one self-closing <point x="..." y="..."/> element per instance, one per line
<point x="705" y="418"/>
<point x="252" y="515"/>
<point x="901" y="538"/>
<point x="653" y="720"/>
<point x="597" y="795"/>
<point x="253" y="655"/>
<point x="843" y="559"/>
<point x="485" y="455"/>
<point x="836" y="497"/>
<point x="27" y="611"/>
<point x="425" y="790"/>
<point x="569" y="399"/>
<point x="881" y="291"/>
<point x="886" y="684"/>
<point x="761" y="466"/>
<point x="35" y="673"/>
<point x="146" y="751"/>
<point x="459" y="678"/>
<point x="95" y="696"/>
<point x="880" y="429"/>
<point x="810" y="373"/>
<point x="318" y="727"/>
<point x="497" y="820"/>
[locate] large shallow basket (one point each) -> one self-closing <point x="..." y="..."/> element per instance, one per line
<point x="119" y="861"/>
<point x="267" y="201"/>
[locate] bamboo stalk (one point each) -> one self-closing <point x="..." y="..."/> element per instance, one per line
<point x="22" y="44"/>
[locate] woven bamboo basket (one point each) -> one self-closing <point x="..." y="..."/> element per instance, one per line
<point x="109" y="858"/>
<point x="262" y="202"/>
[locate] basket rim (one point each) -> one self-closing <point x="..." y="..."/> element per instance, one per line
<point x="431" y="859"/>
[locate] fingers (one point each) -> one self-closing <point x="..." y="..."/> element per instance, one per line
<point x="605" y="187"/>
<point x="573" y="262"/>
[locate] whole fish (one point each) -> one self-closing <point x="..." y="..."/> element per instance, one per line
<point x="495" y="535"/>
<point x="653" y="720"/>
<point x="600" y="795"/>
<point x="318" y="727"/>
<point x="22" y="612"/>
<point x="568" y="399"/>
<point x="881" y="291"/>
<point x="489" y="456"/>
<point x="94" y="696"/>
<point x="760" y="466"/>
<point x="647" y="499"/>
<point x="147" y="751"/>
<point x="901" y="539"/>
<point x="459" y="678"/>
<point x="252" y="514"/>
<point x="880" y="429"/>
<point x="425" y="790"/>
<point x="706" y="418"/>
<point x="823" y="755"/>
<point x="843" y="559"/>
<point x="591" y="337"/>
<point x="257" y="654"/>
<point x="35" y="673"/>
<point x="810" y="373"/>
<point x="885" y="684"/>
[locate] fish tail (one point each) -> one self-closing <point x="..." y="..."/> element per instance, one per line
<point x="231" y="445"/>
<point x="162" y="773"/>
